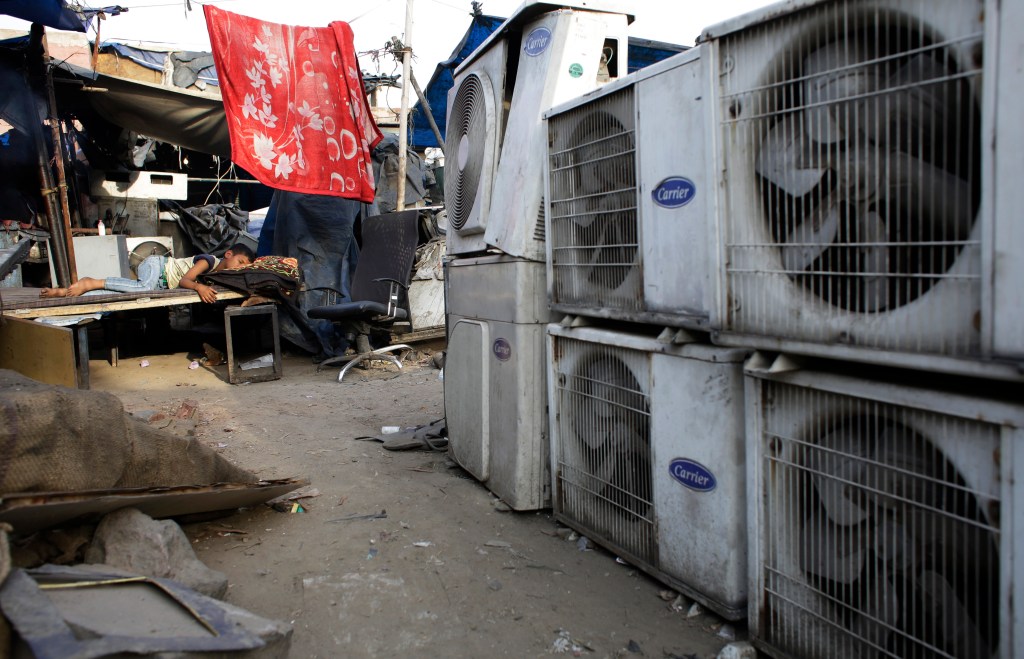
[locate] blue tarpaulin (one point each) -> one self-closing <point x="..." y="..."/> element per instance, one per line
<point x="642" y="52"/>
<point x="54" y="13"/>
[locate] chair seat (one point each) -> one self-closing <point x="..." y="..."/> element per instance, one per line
<point x="359" y="309"/>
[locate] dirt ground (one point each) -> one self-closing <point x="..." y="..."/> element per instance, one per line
<point x="444" y="574"/>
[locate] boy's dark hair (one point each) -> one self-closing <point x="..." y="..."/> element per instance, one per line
<point x="243" y="249"/>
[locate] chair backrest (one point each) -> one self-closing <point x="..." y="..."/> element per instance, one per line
<point x="388" y="251"/>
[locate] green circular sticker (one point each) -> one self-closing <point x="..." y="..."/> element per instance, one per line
<point x="575" y="70"/>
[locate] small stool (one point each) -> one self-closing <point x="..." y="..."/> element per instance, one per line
<point x="260" y="373"/>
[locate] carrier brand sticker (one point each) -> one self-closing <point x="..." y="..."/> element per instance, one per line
<point x="502" y="350"/>
<point x="673" y="192"/>
<point x="692" y="474"/>
<point x="575" y="70"/>
<point x="537" y="42"/>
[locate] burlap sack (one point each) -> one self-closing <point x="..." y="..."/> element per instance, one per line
<point x="55" y="439"/>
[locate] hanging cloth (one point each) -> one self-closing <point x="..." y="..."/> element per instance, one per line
<point x="296" y="110"/>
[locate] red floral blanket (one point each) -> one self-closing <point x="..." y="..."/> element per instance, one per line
<point x="297" y="113"/>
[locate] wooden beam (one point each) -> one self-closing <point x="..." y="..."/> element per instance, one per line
<point x="42" y="352"/>
<point x="84" y="307"/>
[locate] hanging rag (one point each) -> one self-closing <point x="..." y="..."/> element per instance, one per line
<point x="296" y="110"/>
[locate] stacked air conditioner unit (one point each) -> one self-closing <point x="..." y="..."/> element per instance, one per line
<point x="647" y="456"/>
<point x="866" y="152"/>
<point x="882" y="519"/>
<point x="542" y="55"/>
<point x="630" y="206"/>
<point x="867" y="164"/>
<point x="495" y="376"/>
<point x="495" y="387"/>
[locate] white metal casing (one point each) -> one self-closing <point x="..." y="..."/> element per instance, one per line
<point x="630" y="210"/>
<point x="560" y="56"/>
<point x="472" y="144"/>
<point x="495" y="384"/>
<point x="883" y="519"/>
<point x="647" y="456"/>
<point x="867" y="168"/>
<point x="139" y="185"/>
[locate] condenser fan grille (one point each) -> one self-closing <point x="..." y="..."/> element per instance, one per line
<point x="465" y="145"/>
<point x="858" y="155"/>
<point x="604" y="452"/>
<point x="594" y="236"/>
<point x="873" y="543"/>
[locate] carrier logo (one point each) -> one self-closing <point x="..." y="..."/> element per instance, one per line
<point x="537" y="41"/>
<point x="502" y="350"/>
<point x="692" y="474"/>
<point x="673" y="192"/>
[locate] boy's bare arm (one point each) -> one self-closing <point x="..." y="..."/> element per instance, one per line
<point x="206" y="293"/>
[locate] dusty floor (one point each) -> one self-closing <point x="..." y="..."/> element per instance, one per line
<point x="444" y="574"/>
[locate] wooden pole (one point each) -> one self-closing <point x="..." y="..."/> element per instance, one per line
<point x="403" y="117"/>
<point x="426" y="111"/>
<point x="62" y="182"/>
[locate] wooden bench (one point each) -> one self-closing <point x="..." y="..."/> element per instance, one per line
<point x="60" y="355"/>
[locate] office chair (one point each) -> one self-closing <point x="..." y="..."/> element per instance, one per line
<point x="381" y="277"/>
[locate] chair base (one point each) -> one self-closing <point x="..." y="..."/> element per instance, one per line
<point x="382" y="354"/>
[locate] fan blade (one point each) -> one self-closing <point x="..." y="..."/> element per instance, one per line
<point x="805" y="244"/>
<point x="834" y="73"/>
<point x="881" y="605"/>
<point x="954" y="631"/>
<point x="841" y="462"/>
<point x="873" y="261"/>
<point x="942" y="200"/>
<point x="923" y="101"/>
<point x="836" y="553"/>
<point x="786" y="159"/>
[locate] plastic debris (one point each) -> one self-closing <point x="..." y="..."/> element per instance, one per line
<point x="370" y="554"/>
<point x="144" y="363"/>
<point x="260" y="362"/>
<point x="573" y="537"/>
<point x="194" y="365"/>
<point x="620" y="561"/>
<point x="502" y="507"/>
<point x="741" y="650"/>
<point x="498" y="543"/>
<point x="634" y="647"/>
<point x="727" y="631"/>
<point x="695" y="610"/>
<point x="680" y="604"/>
<point x="667" y="595"/>
<point x="494" y="585"/>
<point x="565" y="643"/>
<point x="584" y="544"/>
<point x="423" y="543"/>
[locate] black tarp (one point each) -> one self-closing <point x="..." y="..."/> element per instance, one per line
<point x="318" y="231"/>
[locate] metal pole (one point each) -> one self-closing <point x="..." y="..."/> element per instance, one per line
<point x="403" y="117"/>
<point x="62" y="182"/>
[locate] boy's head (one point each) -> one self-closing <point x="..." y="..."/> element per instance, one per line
<point x="237" y="256"/>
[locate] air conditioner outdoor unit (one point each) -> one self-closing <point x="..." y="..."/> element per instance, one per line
<point x="883" y="519"/>
<point x="542" y="55"/>
<point x="865" y="162"/>
<point x="630" y="212"/>
<point x="647" y="456"/>
<point x="495" y="380"/>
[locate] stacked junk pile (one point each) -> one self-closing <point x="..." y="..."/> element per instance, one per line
<point x="753" y="327"/>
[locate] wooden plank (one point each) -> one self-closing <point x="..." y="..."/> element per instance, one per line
<point x="41" y="352"/>
<point x="84" y="308"/>
<point x="427" y="334"/>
